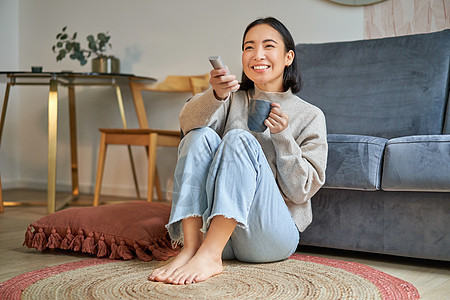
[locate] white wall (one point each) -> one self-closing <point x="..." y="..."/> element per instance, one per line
<point x="151" y="38"/>
<point x="9" y="60"/>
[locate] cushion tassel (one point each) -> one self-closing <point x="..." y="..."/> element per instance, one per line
<point x="168" y="242"/>
<point x="114" y="249"/>
<point x="102" y="248"/>
<point x="77" y="242"/>
<point x="157" y="253"/>
<point x="89" y="244"/>
<point x="166" y="246"/>
<point x="40" y="240"/>
<point x="65" y="244"/>
<point x="141" y="253"/>
<point x="54" y="240"/>
<point x="123" y="251"/>
<point x="28" y="237"/>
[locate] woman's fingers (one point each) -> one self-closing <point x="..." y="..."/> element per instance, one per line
<point x="277" y="120"/>
<point x="223" y="83"/>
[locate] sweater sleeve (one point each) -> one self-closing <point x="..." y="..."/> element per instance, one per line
<point x="301" y="161"/>
<point x="204" y="110"/>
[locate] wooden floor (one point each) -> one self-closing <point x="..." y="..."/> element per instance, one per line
<point x="431" y="278"/>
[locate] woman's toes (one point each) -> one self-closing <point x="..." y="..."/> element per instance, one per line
<point x="163" y="276"/>
<point x="178" y="279"/>
<point x="190" y="279"/>
<point x="153" y="275"/>
<point x="172" y="277"/>
<point x="183" y="279"/>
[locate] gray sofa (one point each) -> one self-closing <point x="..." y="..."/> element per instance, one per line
<point x="386" y="102"/>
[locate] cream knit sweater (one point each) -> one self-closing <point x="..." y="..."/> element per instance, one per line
<point x="297" y="155"/>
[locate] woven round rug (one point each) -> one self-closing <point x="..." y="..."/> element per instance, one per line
<point x="300" y="277"/>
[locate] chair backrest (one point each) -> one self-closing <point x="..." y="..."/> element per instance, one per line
<point x="172" y="84"/>
<point x="177" y="84"/>
<point x="199" y="85"/>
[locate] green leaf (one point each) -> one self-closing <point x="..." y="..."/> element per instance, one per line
<point x="101" y="37"/>
<point x="61" y="55"/>
<point x="90" y="38"/>
<point x="53" y="48"/>
<point x="64" y="36"/>
<point x="58" y="35"/>
<point x="76" y="46"/>
<point x="64" y="28"/>
<point x="59" y="44"/>
<point x="79" y="56"/>
<point x="69" y="46"/>
<point x="92" y="46"/>
<point x="74" y="36"/>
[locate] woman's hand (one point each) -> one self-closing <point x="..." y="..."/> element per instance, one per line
<point x="223" y="83"/>
<point x="277" y="120"/>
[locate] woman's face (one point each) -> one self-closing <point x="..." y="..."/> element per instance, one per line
<point x="265" y="57"/>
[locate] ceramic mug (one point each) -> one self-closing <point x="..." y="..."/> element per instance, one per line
<point x="258" y="112"/>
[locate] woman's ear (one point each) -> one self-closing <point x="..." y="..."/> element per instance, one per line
<point x="289" y="58"/>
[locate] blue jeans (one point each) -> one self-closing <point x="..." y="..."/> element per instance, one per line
<point x="232" y="178"/>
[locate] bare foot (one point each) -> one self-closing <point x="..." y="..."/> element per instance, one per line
<point x="180" y="260"/>
<point x="201" y="267"/>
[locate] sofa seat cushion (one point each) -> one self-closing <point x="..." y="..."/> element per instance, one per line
<point x="354" y="162"/>
<point x="417" y="163"/>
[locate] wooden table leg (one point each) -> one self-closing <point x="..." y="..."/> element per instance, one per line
<point x="2" y="124"/>
<point x="5" y="105"/>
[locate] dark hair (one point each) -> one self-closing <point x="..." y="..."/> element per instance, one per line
<point x="291" y="76"/>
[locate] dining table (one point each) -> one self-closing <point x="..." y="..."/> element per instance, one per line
<point x="68" y="80"/>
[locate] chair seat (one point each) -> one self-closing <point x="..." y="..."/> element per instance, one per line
<point x="140" y="137"/>
<point x="139" y="131"/>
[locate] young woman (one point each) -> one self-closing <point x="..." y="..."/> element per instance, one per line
<point x="240" y="194"/>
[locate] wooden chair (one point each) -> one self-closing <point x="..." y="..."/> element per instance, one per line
<point x="144" y="136"/>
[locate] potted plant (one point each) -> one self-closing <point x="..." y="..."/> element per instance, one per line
<point x="68" y="45"/>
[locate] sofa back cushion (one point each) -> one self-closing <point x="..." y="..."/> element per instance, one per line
<point x="386" y="87"/>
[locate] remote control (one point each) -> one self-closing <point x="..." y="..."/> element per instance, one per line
<point x="217" y="62"/>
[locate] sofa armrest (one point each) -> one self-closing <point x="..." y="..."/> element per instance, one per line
<point x="417" y="163"/>
<point x="354" y="162"/>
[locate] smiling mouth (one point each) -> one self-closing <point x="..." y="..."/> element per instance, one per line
<point x="260" y="67"/>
